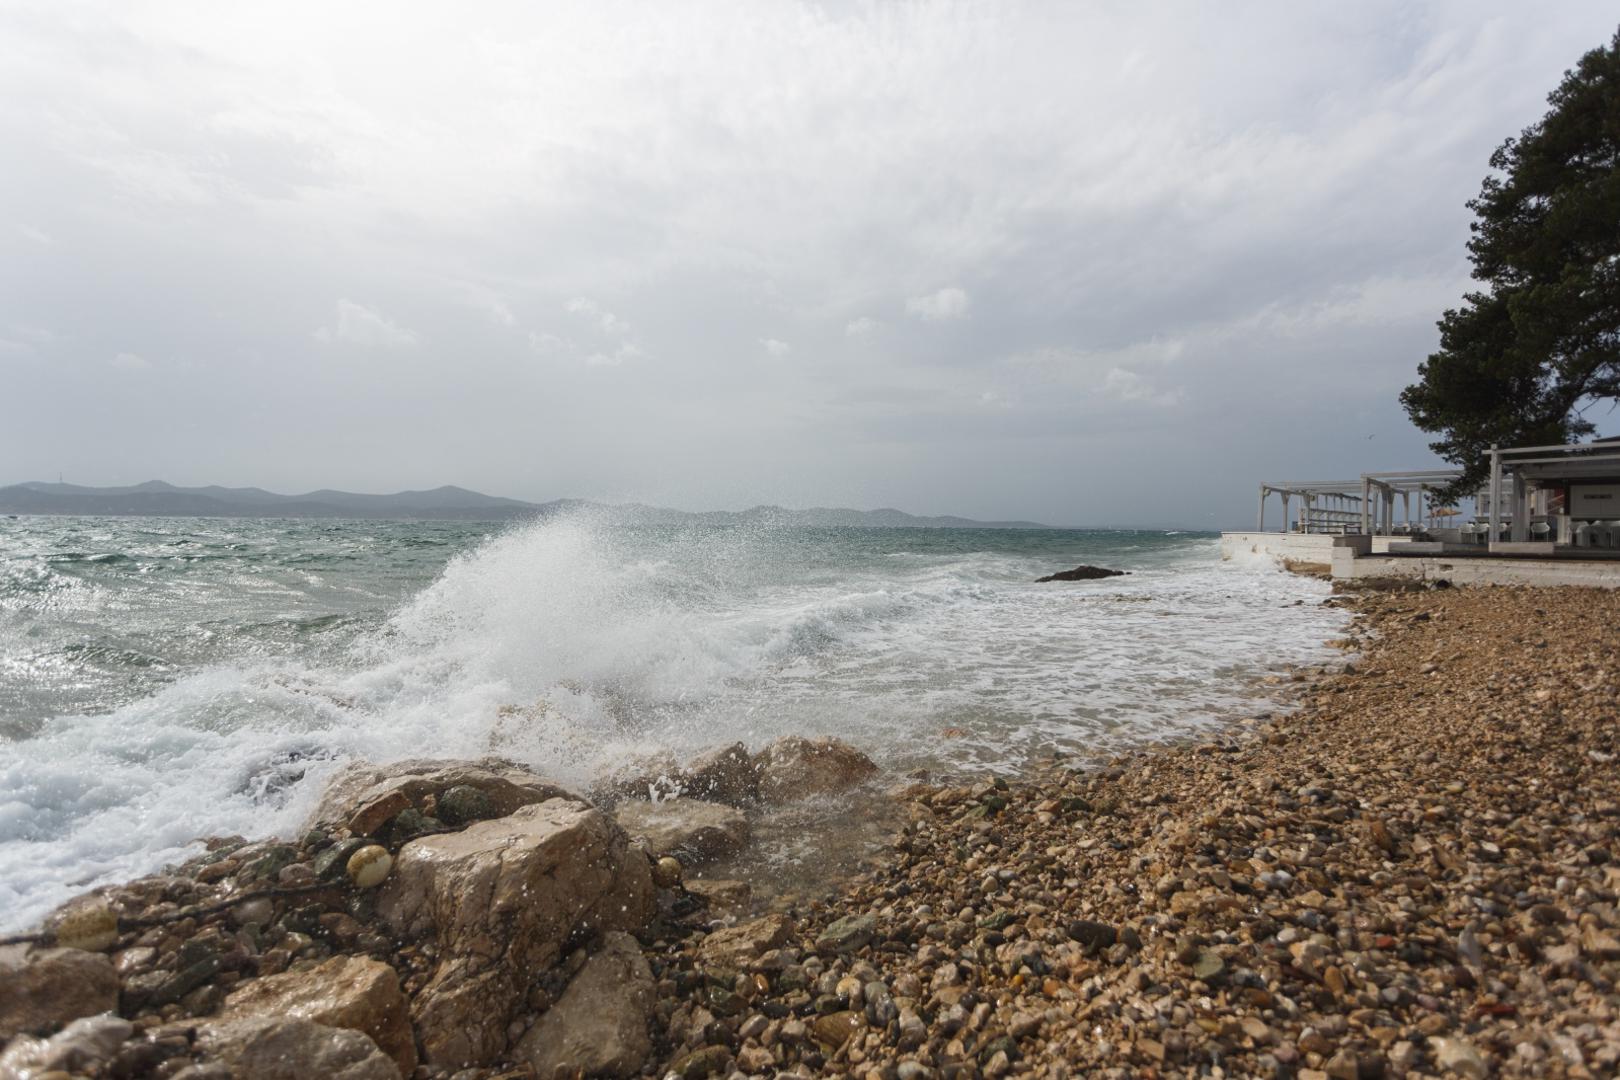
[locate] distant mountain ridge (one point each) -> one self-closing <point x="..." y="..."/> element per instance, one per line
<point x="158" y="499"/>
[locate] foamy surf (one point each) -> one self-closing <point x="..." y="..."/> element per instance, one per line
<point x="278" y="651"/>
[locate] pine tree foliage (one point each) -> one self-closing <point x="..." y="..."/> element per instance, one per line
<point x="1524" y="359"/>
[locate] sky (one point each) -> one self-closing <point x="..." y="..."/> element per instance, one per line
<point x="1089" y="263"/>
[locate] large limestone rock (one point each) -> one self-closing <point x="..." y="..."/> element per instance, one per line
<point x="694" y="831"/>
<point x="501" y="898"/>
<point x="599" y="1025"/>
<point x="271" y="1048"/>
<point x="796" y="768"/>
<point x="48" y="989"/>
<point x="352" y="992"/>
<point x="365" y="797"/>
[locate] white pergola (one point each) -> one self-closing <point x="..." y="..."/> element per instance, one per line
<point x="1365" y="505"/>
<point x="1325" y="505"/>
<point x="1379" y="491"/>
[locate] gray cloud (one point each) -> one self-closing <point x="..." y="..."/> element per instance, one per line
<point x="1084" y="264"/>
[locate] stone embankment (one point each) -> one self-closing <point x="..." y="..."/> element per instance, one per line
<point x="1411" y="874"/>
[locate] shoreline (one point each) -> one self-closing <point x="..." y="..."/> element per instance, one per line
<point x="1407" y="873"/>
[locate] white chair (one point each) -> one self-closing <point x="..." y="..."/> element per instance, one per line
<point x="1540" y="531"/>
<point x="1586" y="534"/>
<point x="1611" y="531"/>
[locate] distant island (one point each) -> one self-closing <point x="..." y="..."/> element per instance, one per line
<point x="158" y="499"/>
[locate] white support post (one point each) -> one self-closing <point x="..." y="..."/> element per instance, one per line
<point x="1366" y="494"/>
<point x="1260" y="520"/>
<point x="1521" y="508"/>
<point x="1496" y="492"/>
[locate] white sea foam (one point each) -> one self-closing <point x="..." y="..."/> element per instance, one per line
<point x="572" y="643"/>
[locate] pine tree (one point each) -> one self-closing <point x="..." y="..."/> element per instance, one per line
<point x="1522" y="361"/>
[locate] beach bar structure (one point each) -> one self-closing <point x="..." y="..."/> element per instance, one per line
<point x="1547" y="515"/>
<point x="1546" y="497"/>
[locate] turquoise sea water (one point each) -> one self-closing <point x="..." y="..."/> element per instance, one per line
<point x="162" y="680"/>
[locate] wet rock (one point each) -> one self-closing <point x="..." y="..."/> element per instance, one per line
<point x="721" y="894"/>
<point x="332" y="863"/>
<point x="667" y="872"/>
<point x="848" y="934"/>
<point x="373" y="815"/>
<point x="88" y="923"/>
<point x="1208" y="966"/>
<point x="463" y="804"/>
<point x="728" y="775"/>
<point x="344" y="992"/>
<point x="702" y="1062"/>
<point x="500" y="900"/>
<point x="598" y="1027"/>
<point x="369" y="866"/>
<point x="1093" y="936"/>
<point x="737" y="946"/>
<point x="268" y="1048"/>
<point x="694" y="831"/>
<point x="1081" y="573"/>
<point x="83" y="1046"/>
<point x="835" y="1029"/>
<point x="794" y="768"/>
<point x="40" y="993"/>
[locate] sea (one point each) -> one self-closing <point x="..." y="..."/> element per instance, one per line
<point x="163" y="680"/>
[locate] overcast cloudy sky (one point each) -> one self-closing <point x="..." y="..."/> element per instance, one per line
<point x="1087" y="263"/>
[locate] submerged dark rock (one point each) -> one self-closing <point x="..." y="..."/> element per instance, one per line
<point x="1082" y="573"/>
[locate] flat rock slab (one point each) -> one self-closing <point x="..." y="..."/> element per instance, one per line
<point x="737" y="946"/>
<point x="694" y="831"/>
<point x="598" y="1027"/>
<point x="364" y="797"/>
<point x="268" y="1048"/>
<point x="352" y="992"/>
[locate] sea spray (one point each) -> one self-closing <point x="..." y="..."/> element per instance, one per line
<point x="210" y="679"/>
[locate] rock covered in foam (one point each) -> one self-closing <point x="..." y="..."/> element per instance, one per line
<point x="727" y="775"/>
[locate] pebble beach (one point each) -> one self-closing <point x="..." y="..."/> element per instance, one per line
<point x="1410" y="874"/>
<point x="1407" y="872"/>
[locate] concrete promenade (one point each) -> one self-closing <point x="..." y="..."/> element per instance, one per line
<point x="1353" y="558"/>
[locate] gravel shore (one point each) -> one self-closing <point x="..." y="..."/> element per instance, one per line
<point x="1411" y="874"/>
